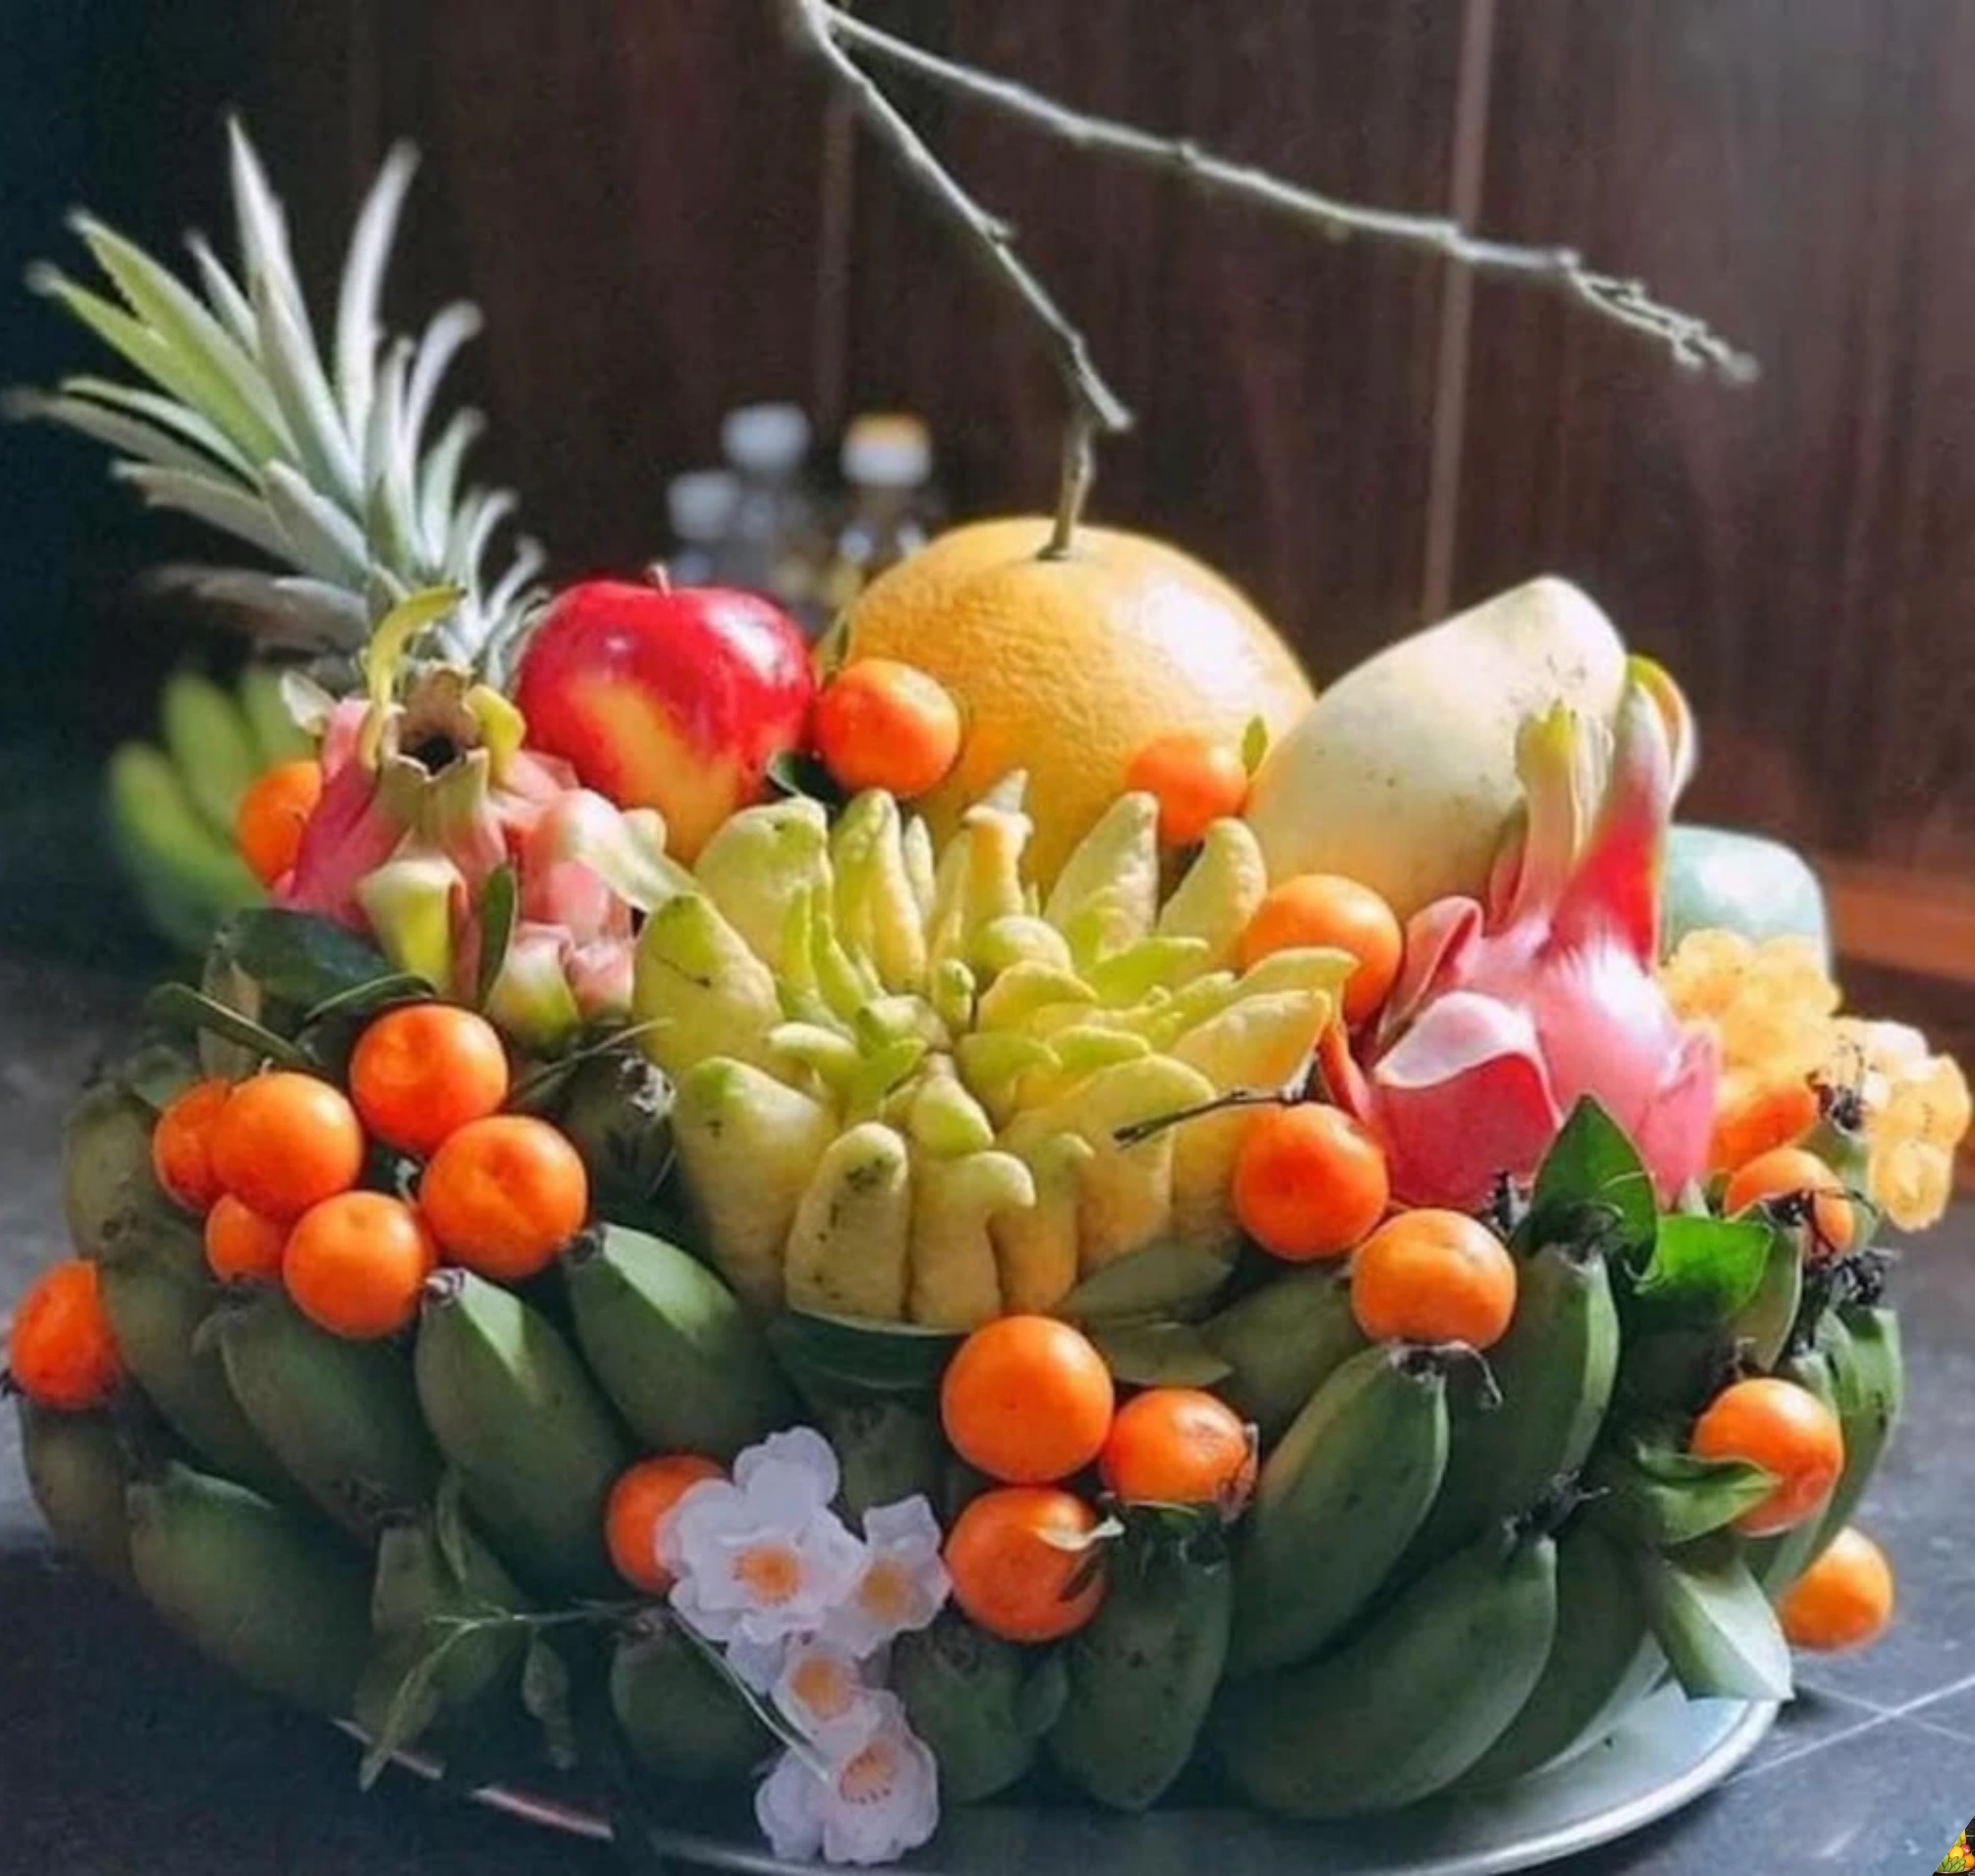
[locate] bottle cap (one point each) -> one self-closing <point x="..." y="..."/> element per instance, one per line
<point x="700" y="502"/>
<point x="766" y="438"/>
<point x="891" y="450"/>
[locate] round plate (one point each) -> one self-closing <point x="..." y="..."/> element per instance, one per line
<point x="1667" y="1754"/>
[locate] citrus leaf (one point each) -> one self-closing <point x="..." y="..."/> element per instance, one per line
<point x="1161" y="1354"/>
<point x="500" y="907"/>
<point x="181" y="1006"/>
<point x="1707" y="1266"/>
<point x="1163" y="1281"/>
<point x="415" y="1704"/>
<point x="545" y="1693"/>
<point x="296" y="957"/>
<point x="1659" y="1496"/>
<point x="1591" y="1180"/>
<point x="366" y="999"/>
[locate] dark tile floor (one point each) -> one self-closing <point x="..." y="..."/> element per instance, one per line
<point x="121" y="1754"/>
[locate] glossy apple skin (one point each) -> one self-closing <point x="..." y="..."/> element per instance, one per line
<point x="675" y="698"/>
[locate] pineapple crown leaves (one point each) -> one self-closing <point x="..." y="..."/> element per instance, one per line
<point x="323" y="464"/>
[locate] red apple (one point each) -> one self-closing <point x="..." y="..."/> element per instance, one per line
<point x="668" y="697"/>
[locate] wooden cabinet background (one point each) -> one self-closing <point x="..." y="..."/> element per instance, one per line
<point x="653" y="205"/>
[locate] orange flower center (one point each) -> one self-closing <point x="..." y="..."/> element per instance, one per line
<point x="771" y="1572"/>
<point x="824" y="1685"/>
<point x="869" y="1778"/>
<point x="887" y="1591"/>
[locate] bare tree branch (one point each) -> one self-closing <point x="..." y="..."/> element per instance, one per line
<point x="1692" y="342"/>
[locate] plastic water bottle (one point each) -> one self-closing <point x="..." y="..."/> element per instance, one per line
<point x="699" y="505"/>
<point x="887" y="462"/>
<point x="769" y="543"/>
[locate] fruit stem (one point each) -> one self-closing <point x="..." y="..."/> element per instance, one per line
<point x="1307" y="1084"/>
<point x="1079" y="470"/>
<point x="660" y="576"/>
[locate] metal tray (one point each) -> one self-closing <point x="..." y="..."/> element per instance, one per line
<point x="1670" y="1752"/>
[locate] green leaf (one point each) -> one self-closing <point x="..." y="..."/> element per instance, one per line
<point x="364" y="1000"/>
<point x="1164" y="1281"/>
<point x="1591" y="1180"/>
<point x="414" y="1706"/>
<point x="1766" y="1320"/>
<point x="1161" y="1354"/>
<point x="182" y="1007"/>
<point x="1660" y="1496"/>
<point x="1254" y="743"/>
<point x="545" y="1693"/>
<point x="1709" y="1616"/>
<point x="500" y="907"/>
<point x="450" y="1526"/>
<point x="1706" y="1267"/>
<point x="298" y="958"/>
<point x="801" y="776"/>
<point x="1044" y="1695"/>
<point x="861" y="1358"/>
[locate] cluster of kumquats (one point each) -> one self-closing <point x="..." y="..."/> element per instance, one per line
<point x="349" y="1201"/>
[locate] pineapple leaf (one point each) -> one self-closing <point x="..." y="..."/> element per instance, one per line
<point x="295" y="376"/>
<point x="358" y="330"/>
<point x="205" y="497"/>
<point x="326" y="542"/>
<point x="438" y="481"/>
<point x="450" y="330"/>
<point x="165" y="413"/>
<point x="230" y="306"/>
<point x="127" y="436"/>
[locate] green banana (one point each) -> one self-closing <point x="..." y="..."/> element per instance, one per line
<point x="970" y="1698"/>
<point x="534" y="1444"/>
<point x="670" y="1345"/>
<point x="1143" y="1675"/>
<point x="681" y="1720"/>
<point x="1711" y="1619"/>
<point x="1763" y="1325"/>
<point x="426" y="1576"/>
<point x="1284" y="1342"/>
<point x="211" y="745"/>
<point x="1412" y="1702"/>
<point x="1338" y="1502"/>
<point x="341" y="1416"/>
<point x="77" y="1471"/>
<point x="108" y="1190"/>
<point x="254" y="1587"/>
<point x="277" y="737"/>
<point x="186" y="876"/>
<point x="1779" y="1560"/>
<point x="1603" y="1662"/>
<point x="1554" y="1370"/>
<point x="1868" y="1389"/>
<point x="157" y="1296"/>
<point x="887" y="1451"/>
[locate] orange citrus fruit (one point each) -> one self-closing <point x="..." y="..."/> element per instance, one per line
<point x="1197" y="780"/>
<point x="1178" y="1445"/>
<point x="1309" y="1182"/>
<point x="284" y="1142"/>
<point x="640" y="1502"/>
<point x="1753" y="1116"/>
<point x="242" y="1246"/>
<point x="1068" y="667"/>
<point x="1027" y="1400"/>
<point x="1327" y="910"/>
<point x="182" y="1144"/>
<point x="1844" y="1600"/>
<point x="422" y="1072"/>
<point x="356" y="1264"/>
<point x="1787" y="1431"/>
<point x="1434" y="1276"/>
<point x="881" y="724"/>
<point x="61" y="1350"/>
<point x="1787" y="1173"/>
<point x="1010" y="1578"/>
<point x="268" y="824"/>
<point x="503" y="1194"/>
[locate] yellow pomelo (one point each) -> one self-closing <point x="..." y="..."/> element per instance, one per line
<point x="1068" y="667"/>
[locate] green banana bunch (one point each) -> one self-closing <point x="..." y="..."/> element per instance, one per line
<point x="1713" y="1623"/>
<point x="666" y="1340"/>
<point x="420" y="1675"/>
<point x="976" y="1701"/>
<point x="1554" y="1371"/>
<point x="1868" y="1391"/>
<point x="108" y="1190"/>
<point x="171" y="808"/>
<point x="341" y="1416"/>
<point x="535" y="1446"/>
<point x="1338" y="1502"/>
<point x="258" y="1588"/>
<point x="1282" y="1342"/>
<point x="901" y="1078"/>
<point x="1411" y="1701"/>
<point x="1143" y="1675"/>
<point x="1603" y="1663"/>
<point x="681" y="1720"/>
<point x="77" y="1470"/>
<point x="1779" y="1560"/>
<point x="158" y="1296"/>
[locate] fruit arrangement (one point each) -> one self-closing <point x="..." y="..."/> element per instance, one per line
<point x="1020" y="1205"/>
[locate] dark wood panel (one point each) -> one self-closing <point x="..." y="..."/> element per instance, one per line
<point x="1283" y="386"/>
<point x="1804" y="171"/>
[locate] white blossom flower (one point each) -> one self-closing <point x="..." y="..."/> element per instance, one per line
<point x="869" y="1810"/>
<point x="905" y="1583"/>
<point x="763" y="1557"/>
<point x="822" y="1693"/>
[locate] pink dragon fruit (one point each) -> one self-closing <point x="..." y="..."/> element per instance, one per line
<point x="1503" y="1018"/>
<point x="425" y="799"/>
